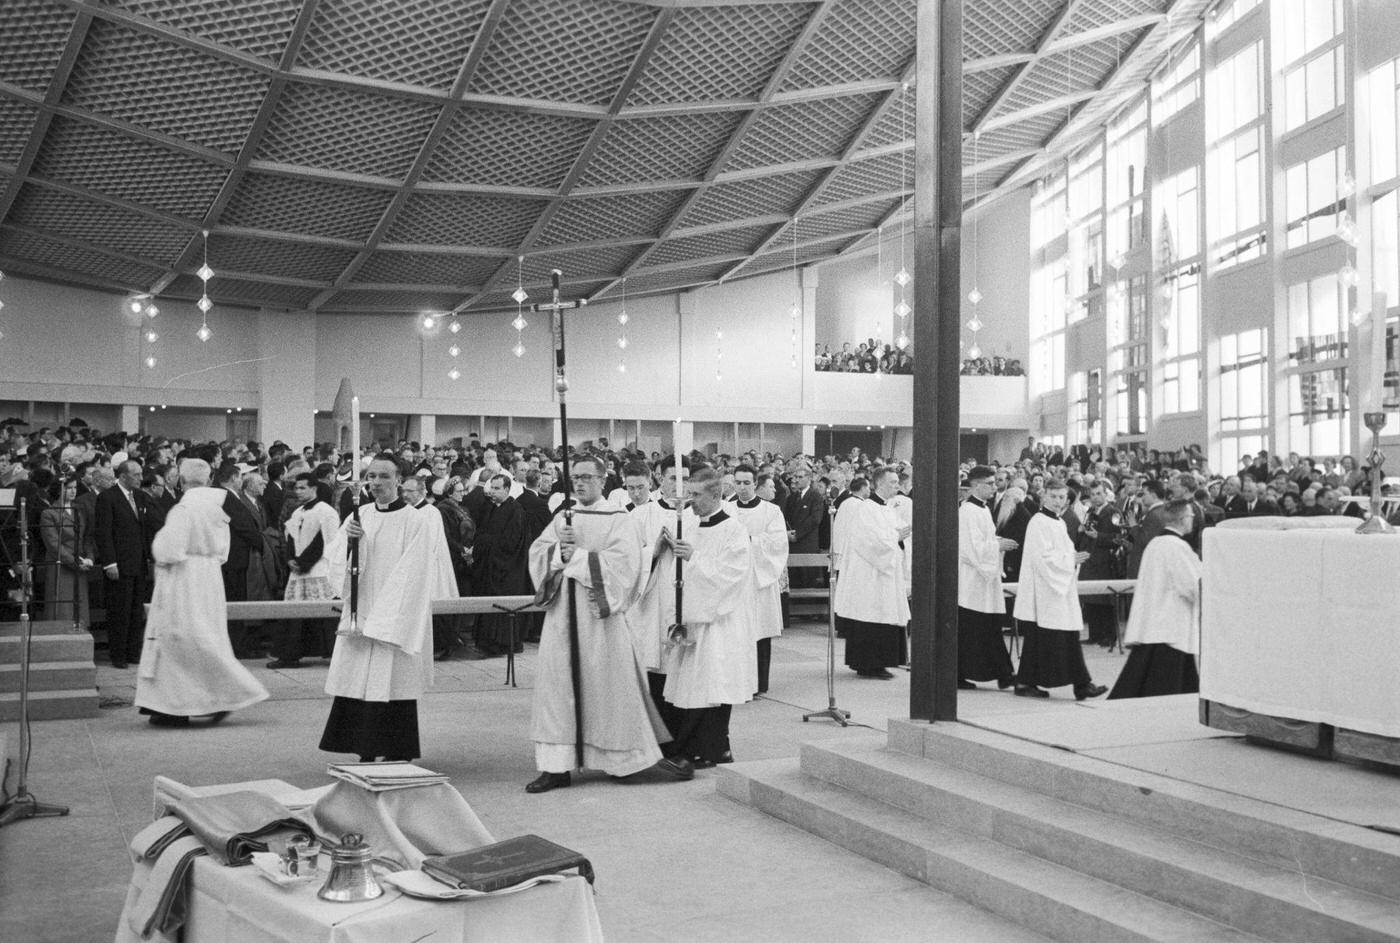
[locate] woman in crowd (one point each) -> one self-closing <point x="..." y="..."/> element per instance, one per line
<point x="64" y="533"/>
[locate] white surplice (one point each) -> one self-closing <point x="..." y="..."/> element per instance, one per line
<point x="719" y="667"/>
<point x="187" y="662"/>
<point x="979" y="560"/>
<point x="1167" y="602"/>
<point x="649" y="618"/>
<point x="768" y="548"/>
<point x="840" y="528"/>
<point x="903" y="507"/>
<point x="870" y="587"/>
<point x="621" y="728"/>
<point x="404" y="566"/>
<point x="1047" y="594"/>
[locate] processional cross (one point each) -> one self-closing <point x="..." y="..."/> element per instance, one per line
<point x="556" y="309"/>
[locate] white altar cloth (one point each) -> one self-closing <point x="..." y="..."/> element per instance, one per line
<point x="1302" y="624"/>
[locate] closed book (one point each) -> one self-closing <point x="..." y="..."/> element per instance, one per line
<point x="505" y="864"/>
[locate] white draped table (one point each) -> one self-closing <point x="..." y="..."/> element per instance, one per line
<point x="1303" y="625"/>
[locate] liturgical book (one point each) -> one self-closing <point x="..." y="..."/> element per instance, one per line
<point x="505" y="864"/>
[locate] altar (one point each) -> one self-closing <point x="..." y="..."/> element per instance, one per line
<point x="1298" y="630"/>
<point x="239" y="905"/>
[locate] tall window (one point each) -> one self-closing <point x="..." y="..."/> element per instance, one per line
<point x="1128" y="360"/>
<point x="1048" y="328"/>
<point x="1178" y="87"/>
<point x="1317" y="383"/>
<point x="1048" y="212"/>
<point x="1126" y="171"/>
<point x="1384" y="86"/>
<point x="1228" y="14"/>
<point x="1237" y="198"/>
<point x="1181" y="342"/>
<point x="1085" y="390"/>
<point x="1313" y="78"/>
<point x="1179" y="197"/>
<point x="1244" y="396"/>
<point x="1313" y="198"/>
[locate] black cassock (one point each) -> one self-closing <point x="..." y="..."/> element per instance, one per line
<point x="500" y="567"/>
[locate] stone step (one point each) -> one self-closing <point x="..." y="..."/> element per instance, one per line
<point x="13" y="629"/>
<point x="1047" y="897"/>
<point x="1274" y="902"/>
<point x="1338" y="852"/>
<point x="65" y="646"/>
<point x="50" y="676"/>
<point x="51" y="705"/>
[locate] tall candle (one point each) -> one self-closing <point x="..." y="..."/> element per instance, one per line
<point x="676" y="448"/>
<point x="355" y="441"/>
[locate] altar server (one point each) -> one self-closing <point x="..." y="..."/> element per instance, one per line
<point x="871" y="600"/>
<point x="1048" y="601"/>
<point x="383" y="664"/>
<point x="650" y="616"/>
<point x="187" y="663"/>
<point x="768" y="548"/>
<point x="714" y="668"/>
<point x="1164" y="627"/>
<point x="981" y="604"/>
<point x="598" y="559"/>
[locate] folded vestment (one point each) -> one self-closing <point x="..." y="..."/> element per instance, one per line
<point x="235" y="824"/>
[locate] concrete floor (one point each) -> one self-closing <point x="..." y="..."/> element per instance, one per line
<point x="674" y="860"/>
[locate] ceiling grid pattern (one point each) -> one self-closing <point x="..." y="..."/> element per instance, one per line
<point x="291" y="127"/>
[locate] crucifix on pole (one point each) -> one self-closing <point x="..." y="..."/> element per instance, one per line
<point x="556" y="309"/>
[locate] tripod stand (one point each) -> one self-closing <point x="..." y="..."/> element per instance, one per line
<point x="23" y="805"/>
<point x="832" y="712"/>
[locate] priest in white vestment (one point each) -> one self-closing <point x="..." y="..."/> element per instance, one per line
<point x="1047" y="602"/>
<point x="768" y="548"/>
<point x="187" y="664"/>
<point x="870" y="600"/>
<point x="598" y="561"/>
<point x="1164" y="626"/>
<point x="650" y="616"/>
<point x="383" y="661"/>
<point x="981" y="603"/>
<point x="715" y="668"/>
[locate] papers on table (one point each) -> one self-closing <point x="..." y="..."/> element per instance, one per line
<point x="382" y="777"/>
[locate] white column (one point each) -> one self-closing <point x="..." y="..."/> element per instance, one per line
<point x="287" y="377"/>
<point x="427" y="430"/>
<point x="809" y="439"/>
<point x="131" y="418"/>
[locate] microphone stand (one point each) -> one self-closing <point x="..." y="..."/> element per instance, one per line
<point x="23" y="804"/>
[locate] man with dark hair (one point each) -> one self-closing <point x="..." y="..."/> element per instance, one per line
<point x="769" y="550"/>
<point x="597" y="562"/>
<point x="1163" y="634"/>
<point x="245" y="539"/>
<point x="714" y="668"/>
<point x="383" y="659"/>
<point x="982" y="654"/>
<point x="870" y="600"/>
<point x="1048" y="603"/>
<point x="123" y="546"/>
<point x="500" y="562"/>
<point x="805" y="511"/>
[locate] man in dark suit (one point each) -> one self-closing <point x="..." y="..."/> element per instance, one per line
<point x="1248" y="503"/>
<point x="123" y="553"/>
<point x="804" y="511"/>
<point x="245" y="538"/>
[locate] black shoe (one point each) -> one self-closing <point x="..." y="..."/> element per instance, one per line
<point x="1029" y="690"/>
<point x="118" y="664"/>
<point x="677" y="766"/>
<point x="168" y="720"/>
<point x="547" y="781"/>
<point x="699" y="762"/>
<point x="725" y="757"/>
<point x="282" y="664"/>
<point x="1004" y="683"/>
<point x="1091" y="690"/>
<point x="966" y="685"/>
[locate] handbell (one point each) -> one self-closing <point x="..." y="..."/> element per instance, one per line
<point x="351" y="878"/>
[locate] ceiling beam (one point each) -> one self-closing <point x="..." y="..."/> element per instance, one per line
<point x="655" y="34"/>
<point x="251" y="141"/>
<point x="441" y="125"/>
<point x="1013" y="83"/>
<point x="714" y="172"/>
<point x="1049" y="106"/>
<point x="58" y="81"/>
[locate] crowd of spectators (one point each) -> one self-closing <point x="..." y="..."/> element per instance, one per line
<point x="870" y="356"/>
<point x="992" y="367"/>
